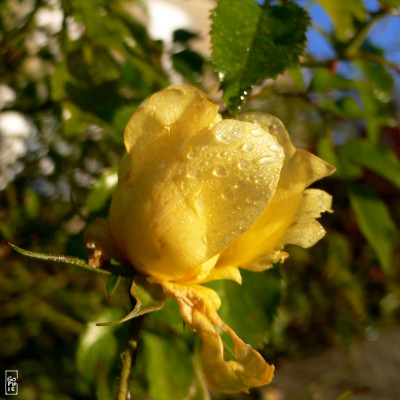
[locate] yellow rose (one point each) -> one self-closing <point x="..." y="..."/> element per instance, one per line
<point x="198" y="197"/>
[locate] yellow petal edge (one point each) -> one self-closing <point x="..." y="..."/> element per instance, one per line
<point x="197" y="198"/>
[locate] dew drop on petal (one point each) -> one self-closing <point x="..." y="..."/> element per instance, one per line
<point x="193" y="174"/>
<point x="243" y="164"/>
<point x="248" y="147"/>
<point x="192" y="154"/>
<point x="266" y="159"/>
<point x="220" y="170"/>
<point x="225" y="134"/>
<point x="257" y="132"/>
<point x="275" y="147"/>
<point x="227" y="194"/>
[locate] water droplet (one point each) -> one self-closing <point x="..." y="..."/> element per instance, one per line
<point x="227" y="194"/>
<point x="192" y="154"/>
<point x="242" y="98"/>
<point x="193" y="174"/>
<point x="221" y="75"/>
<point x="266" y="159"/>
<point x="226" y="135"/>
<point x="257" y="132"/>
<point x="241" y="185"/>
<point x="243" y="164"/>
<point x="220" y="170"/>
<point x="248" y="147"/>
<point x="275" y="147"/>
<point x="245" y="92"/>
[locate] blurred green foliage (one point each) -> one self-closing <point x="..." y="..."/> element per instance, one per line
<point x="71" y="74"/>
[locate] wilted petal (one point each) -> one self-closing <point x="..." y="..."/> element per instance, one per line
<point x="193" y="184"/>
<point x="99" y="242"/>
<point x="291" y="207"/>
<point x="198" y="306"/>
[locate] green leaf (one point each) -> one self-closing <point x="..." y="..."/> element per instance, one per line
<point x="390" y="3"/>
<point x="378" y="79"/>
<point x="325" y="80"/>
<point x="77" y="262"/>
<point x="31" y="204"/>
<point x="149" y="297"/>
<point x="97" y="348"/>
<point x="102" y="190"/>
<point x="188" y="63"/>
<point x="183" y="36"/>
<point x="326" y="150"/>
<point x="376" y="91"/>
<point x="250" y="43"/>
<point x="343" y="15"/>
<point x="375" y="223"/>
<point x="376" y="158"/>
<point x="251" y="307"/>
<point x="112" y="284"/>
<point x="169" y="368"/>
<point x="59" y="259"/>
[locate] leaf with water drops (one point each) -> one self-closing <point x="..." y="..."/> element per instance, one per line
<point x="250" y="43"/>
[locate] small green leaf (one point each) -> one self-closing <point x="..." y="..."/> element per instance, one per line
<point x="102" y="190"/>
<point x="188" y="63"/>
<point x="375" y="223"/>
<point x="31" y="204"/>
<point x="169" y="367"/>
<point x="183" y="36"/>
<point x="326" y="150"/>
<point x="390" y="3"/>
<point x="250" y="43"/>
<point x="325" y="80"/>
<point x="112" y="284"/>
<point x="376" y="158"/>
<point x="378" y="79"/>
<point x="97" y="348"/>
<point x="343" y="15"/>
<point x="59" y="259"/>
<point x="77" y="262"/>
<point x="149" y="297"/>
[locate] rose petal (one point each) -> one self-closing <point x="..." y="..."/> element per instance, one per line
<point x="289" y="209"/>
<point x="193" y="185"/>
<point x="198" y="306"/>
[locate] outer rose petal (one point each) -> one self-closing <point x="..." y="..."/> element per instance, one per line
<point x="190" y="185"/>
<point x="290" y="217"/>
<point x="198" y="306"/>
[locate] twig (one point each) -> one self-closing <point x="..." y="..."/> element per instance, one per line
<point x="380" y="60"/>
<point x="128" y="358"/>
